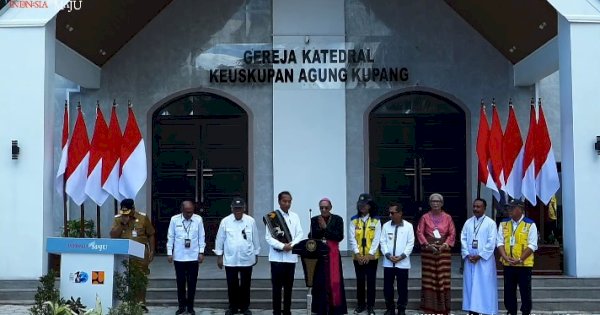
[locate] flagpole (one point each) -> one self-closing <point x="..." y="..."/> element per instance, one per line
<point x="98" y="221"/>
<point x="82" y="222"/>
<point x="64" y="187"/>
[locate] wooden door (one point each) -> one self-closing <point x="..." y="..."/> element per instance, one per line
<point x="418" y="147"/>
<point x="200" y="153"/>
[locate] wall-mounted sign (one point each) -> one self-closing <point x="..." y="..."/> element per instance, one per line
<point x="300" y="66"/>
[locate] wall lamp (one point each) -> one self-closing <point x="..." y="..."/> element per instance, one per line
<point x="597" y="144"/>
<point x="15" y="150"/>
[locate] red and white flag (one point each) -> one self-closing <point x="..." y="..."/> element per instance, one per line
<point x="483" y="135"/>
<point x="133" y="159"/>
<point x="77" y="163"/>
<point x="111" y="163"/>
<point x="495" y="154"/>
<point x="62" y="165"/>
<point x="546" y="174"/>
<point x="512" y="156"/>
<point x="98" y="149"/>
<point x="528" y="186"/>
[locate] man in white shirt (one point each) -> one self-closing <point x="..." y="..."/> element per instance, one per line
<point x="185" y="248"/>
<point x="237" y="246"/>
<point x="397" y="242"/>
<point x="283" y="261"/>
<point x="478" y="241"/>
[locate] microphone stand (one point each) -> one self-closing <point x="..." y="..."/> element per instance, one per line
<point x="310" y="223"/>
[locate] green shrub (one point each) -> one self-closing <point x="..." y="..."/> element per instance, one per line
<point x="89" y="228"/>
<point x="46" y="292"/>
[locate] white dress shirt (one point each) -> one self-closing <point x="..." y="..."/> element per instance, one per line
<point x="374" y="244"/>
<point x="397" y="240"/>
<point x="532" y="236"/>
<point x="276" y="252"/>
<point x="237" y="241"/>
<point x="181" y="229"/>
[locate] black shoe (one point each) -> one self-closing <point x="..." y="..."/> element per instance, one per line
<point x="389" y="312"/>
<point x="401" y="312"/>
<point x="191" y="311"/>
<point x="370" y="310"/>
<point x="144" y="308"/>
<point x="229" y="312"/>
<point x="180" y="311"/>
<point x="247" y="312"/>
<point x="359" y="309"/>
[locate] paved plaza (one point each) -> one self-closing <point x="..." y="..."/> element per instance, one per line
<point x="170" y="310"/>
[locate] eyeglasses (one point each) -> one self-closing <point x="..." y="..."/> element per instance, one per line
<point x="324" y="208"/>
<point x="435" y="200"/>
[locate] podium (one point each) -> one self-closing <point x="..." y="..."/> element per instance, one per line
<point x="88" y="265"/>
<point x="312" y="253"/>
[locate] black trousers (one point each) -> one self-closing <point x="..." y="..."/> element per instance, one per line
<point x="282" y="276"/>
<point x="520" y="276"/>
<point x="238" y="287"/>
<point x="401" y="277"/>
<point x="368" y="272"/>
<point x="186" y="273"/>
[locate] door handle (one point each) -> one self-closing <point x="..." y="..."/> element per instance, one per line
<point x="420" y="180"/>
<point x="415" y="179"/>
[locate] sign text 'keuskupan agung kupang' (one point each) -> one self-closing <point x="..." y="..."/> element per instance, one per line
<point x="357" y="66"/>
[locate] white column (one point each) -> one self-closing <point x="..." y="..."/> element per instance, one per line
<point x="309" y="120"/>
<point x="579" y="49"/>
<point x="27" y="115"/>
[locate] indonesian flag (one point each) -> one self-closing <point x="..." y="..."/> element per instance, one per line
<point x="495" y="154"/>
<point x="77" y="163"/>
<point x="111" y="162"/>
<point x="546" y="174"/>
<point x="93" y="186"/>
<point x="62" y="165"/>
<point x="528" y="185"/>
<point x="512" y="156"/>
<point x="482" y="147"/>
<point x="133" y="159"/>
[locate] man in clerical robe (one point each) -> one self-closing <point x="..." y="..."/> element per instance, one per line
<point x="478" y="242"/>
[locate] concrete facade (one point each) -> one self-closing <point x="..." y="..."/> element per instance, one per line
<point x="171" y="56"/>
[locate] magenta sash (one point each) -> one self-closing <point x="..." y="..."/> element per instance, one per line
<point x="335" y="281"/>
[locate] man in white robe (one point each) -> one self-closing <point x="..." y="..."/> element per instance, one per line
<point x="478" y="241"/>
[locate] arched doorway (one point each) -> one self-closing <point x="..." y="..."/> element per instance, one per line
<point x="199" y="152"/>
<point x="417" y="146"/>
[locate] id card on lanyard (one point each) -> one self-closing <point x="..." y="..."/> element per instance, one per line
<point x="512" y="235"/>
<point x="436" y="232"/>
<point x="476" y="228"/>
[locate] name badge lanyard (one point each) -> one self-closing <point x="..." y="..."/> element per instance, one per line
<point x="186" y="229"/>
<point x="436" y="231"/>
<point x="476" y="228"/>
<point x="512" y="236"/>
<point x="395" y="239"/>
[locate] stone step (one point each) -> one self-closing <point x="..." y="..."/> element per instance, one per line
<point x="549" y="294"/>
<point x="455" y="282"/>
<point x="413" y="292"/>
<point x="547" y="305"/>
